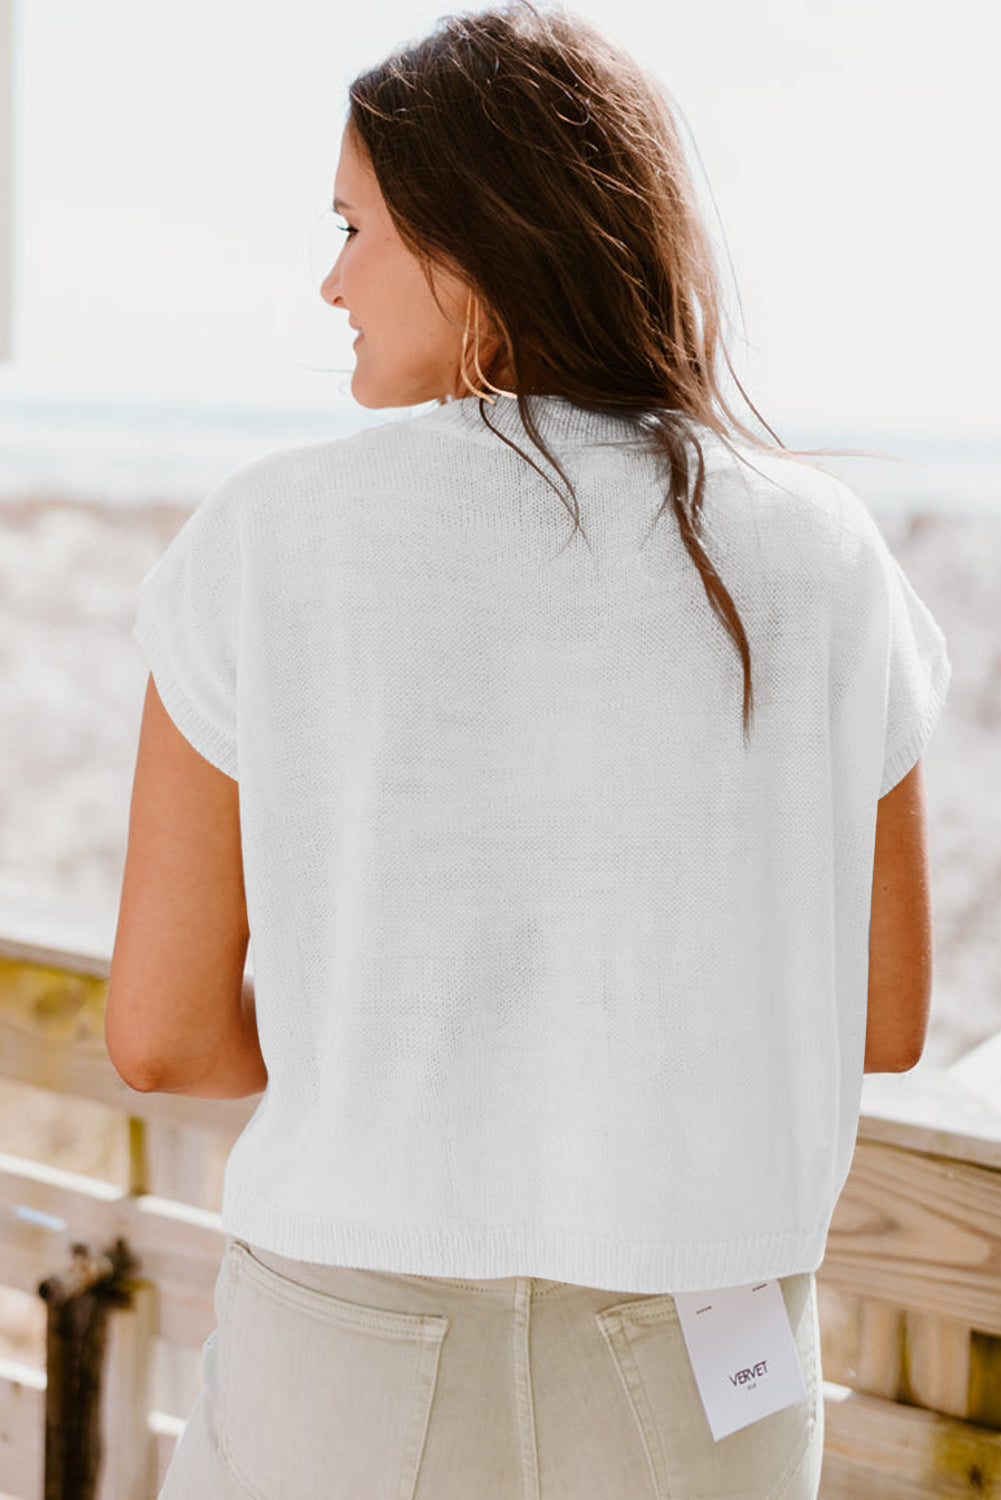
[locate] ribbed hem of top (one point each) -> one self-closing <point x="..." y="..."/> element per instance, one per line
<point x="469" y="1252"/>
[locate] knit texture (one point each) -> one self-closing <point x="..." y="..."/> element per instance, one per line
<point x="554" y="975"/>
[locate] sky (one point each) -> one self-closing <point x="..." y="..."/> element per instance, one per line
<point x="174" y="166"/>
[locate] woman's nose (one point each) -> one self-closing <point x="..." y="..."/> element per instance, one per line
<point x="328" y="287"/>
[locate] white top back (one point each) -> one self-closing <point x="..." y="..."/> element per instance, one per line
<point x="555" y="977"/>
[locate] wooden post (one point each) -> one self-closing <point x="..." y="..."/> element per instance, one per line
<point x="79" y="1301"/>
<point x="74" y="1355"/>
<point x="6" y="177"/>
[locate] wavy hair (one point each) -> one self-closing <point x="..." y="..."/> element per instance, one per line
<point x="538" y="161"/>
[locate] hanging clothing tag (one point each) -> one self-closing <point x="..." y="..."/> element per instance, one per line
<point x="743" y="1353"/>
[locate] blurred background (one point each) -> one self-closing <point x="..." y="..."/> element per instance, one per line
<point x="165" y="181"/>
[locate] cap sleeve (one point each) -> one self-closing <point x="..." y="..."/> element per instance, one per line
<point x="187" y="625"/>
<point x="919" y="673"/>
<point x="885" y="621"/>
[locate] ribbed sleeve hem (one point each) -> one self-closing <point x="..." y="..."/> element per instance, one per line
<point x="208" y="739"/>
<point x="491" y="1251"/>
<point x="906" y="756"/>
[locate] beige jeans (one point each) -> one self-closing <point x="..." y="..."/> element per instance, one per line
<point x="329" y="1383"/>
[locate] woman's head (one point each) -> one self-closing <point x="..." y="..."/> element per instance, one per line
<point x="520" y="155"/>
<point x="526" y="179"/>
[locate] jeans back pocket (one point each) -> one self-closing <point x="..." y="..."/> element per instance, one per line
<point x="771" y="1458"/>
<point x="319" y="1397"/>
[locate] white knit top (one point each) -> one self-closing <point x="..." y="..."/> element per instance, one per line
<point x="554" y="976"/>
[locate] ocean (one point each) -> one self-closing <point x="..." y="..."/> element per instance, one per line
<point x="118" y="451"/>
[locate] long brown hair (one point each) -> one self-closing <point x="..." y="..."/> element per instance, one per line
<point x="524" y="150"/>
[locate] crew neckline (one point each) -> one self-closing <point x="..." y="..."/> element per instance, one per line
<point x="555" y="416"/>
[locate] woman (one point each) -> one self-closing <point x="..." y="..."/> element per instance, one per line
<point x="570" y="950"/>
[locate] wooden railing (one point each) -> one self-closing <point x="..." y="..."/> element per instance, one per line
<point x="910" y="1288"/>
<point x="910" y="1291"/>
<point x="52" y="996"/>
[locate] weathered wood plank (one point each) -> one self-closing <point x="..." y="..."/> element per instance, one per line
<point x="52" y="1037"/>
<point x="920" y="1233"/>
<point x="881" y="1349"/>
<point x="937" y="1363"/>
<point x="177" y="1247"/>
<point x="862" y="1342"/>
<point x="839" y="1333"/>
<point x="57" y="936"/>
<point x="177" y="1166"/>
<point x="934" y="1111"/>
<point x="22" y="1428"/>
<point x="177" y="1163"/>
<point x="880" y="1450"/>
<point x="985" y="1380"/>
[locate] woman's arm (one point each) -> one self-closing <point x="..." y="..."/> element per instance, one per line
<point x="179" y="1018"/>
<point x="900" y="934"/>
